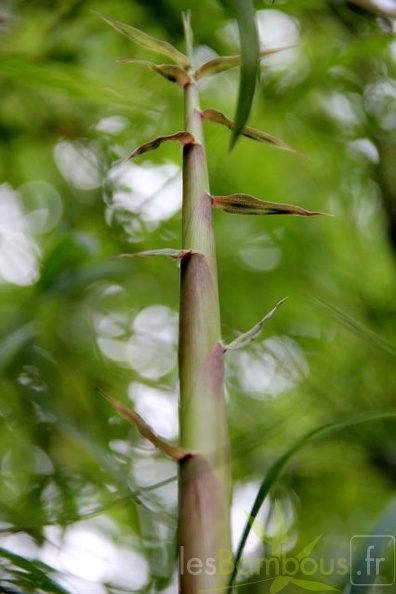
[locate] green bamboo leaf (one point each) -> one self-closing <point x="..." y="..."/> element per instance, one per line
<point x="280" y="582"/>
<point x="358" y="328"/>
<point x="250" y="51"/>
<point x="54" y="77"/>
<point x="222" y="63"/>
<point x="247" y="204"/>
<point x="248" y="337"/>
<point x="171" y="72"/>
<point x="14" y="341"/>
<point x="37" y="571"/>
<point x="168" y="252"/>
<point x="313" y="586"/>
<point x="214" y="115"/>
<point x="275" y="470"/>
<point x="147" y="41"/>
<point x="166" y="447"/>
<point x="182" y="137"/>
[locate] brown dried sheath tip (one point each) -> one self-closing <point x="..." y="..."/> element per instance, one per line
<point x="247" y="204"/>
<point x="171" y="72"/>
<point x="175" y="254"/>
<point x="222" y="63"/>
<point x="168" y="448"/>
<point x="218" y="117"/>
<point x="183" y="137"/>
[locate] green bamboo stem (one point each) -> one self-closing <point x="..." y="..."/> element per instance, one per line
<point x="204" y="527"/>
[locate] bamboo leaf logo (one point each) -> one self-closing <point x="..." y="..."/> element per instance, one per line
<point x="259" y="529"/>
<point x="313" y="586"/>
<point x="279" y="583"/>
<point x="277" y="542"/>
<point x="280" y="531"/>
<point x="307" y="550"/>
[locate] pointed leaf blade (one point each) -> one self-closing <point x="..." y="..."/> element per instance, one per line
<point x="217" y="65"/>
<point x="147" y="41"/>
<point x="251" y="205"/>
<point x="38" y="571"/>
<point x="214" y="115"/>
<point x="310" y="547"/>
<point x="166" y="447"/>
<point x="250" y="51"/>
<point x="251" y="335"/>
<point x="172" y="253"/>
<point x="279" y="583"/>
<point x="222" y="63"/>
<point x="274" y="472"/>
<point x="362" y="331"/>
<point x="12" y="342"/>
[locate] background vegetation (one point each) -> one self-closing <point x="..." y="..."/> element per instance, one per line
<point x="80" y="491"/>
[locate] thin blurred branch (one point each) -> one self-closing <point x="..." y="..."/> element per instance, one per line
<point x="380" y="8"/>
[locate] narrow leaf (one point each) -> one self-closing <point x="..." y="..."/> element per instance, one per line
<point x="166" y="447"/>
<point x="147" y="41"/>
<point x="279" y="583"/>
<point x="182" y="137"/>
<point x="250" y="51"/>
<point x="385" y="11"/>
<point x="222" y="63"/>
<point x="214" y="115"/>
<point x="248" y="337"/>
<point x="247" y="204"/>
<point x="365" y="333"/>
<point x="275" y="470"/>
<point x="13" y="342"/>
<point x="38" y="571"/>
<point x="168" y="252"/>
<point x="68" y="79"/>
<point x="313" y="586"/>
<point x="171" y="72"/>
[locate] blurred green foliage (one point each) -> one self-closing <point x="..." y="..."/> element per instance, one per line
<point x="80" y="492"/>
